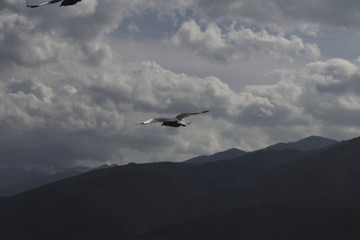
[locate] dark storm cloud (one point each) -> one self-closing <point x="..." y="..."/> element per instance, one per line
<point x="288" y="14"/>
<point x="67" y="97"/>
<point x="38" y="36"/>
<point x="20" y="46"/>
<point x="84" y="118"/>
<point x="51" y="146"/>
<point x="344" y="13"/>
<point x="95" y="117"/>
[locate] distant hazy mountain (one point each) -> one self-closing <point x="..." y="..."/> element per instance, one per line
<point x="18" y="179"/>
<point x="306" y="144"/>
<point x="268" y="194"/>
<point x="225" y="155"/>
<point x="23" y="173"/>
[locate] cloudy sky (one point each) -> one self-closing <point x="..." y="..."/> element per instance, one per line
<point x="75" y="80"/>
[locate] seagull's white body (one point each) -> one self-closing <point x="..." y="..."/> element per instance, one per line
<point x="63" y="3"/>
<point x="173" y="122"/>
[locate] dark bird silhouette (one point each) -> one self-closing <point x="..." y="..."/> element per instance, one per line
<point x="173" y="122"/>
<point x="63" y="3"/>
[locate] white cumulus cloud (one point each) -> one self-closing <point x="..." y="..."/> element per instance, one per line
<point x="233" y="44"/>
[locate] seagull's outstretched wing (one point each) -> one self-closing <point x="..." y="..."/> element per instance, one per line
<point x="43" y="4"/>
<point x="185" y="115"/>
<point x="154" y="120"/>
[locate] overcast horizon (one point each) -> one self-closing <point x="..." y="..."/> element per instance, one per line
<point x="75" y="80"/>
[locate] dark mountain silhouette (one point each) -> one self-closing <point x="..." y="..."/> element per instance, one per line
<point x="306" y="144"/>
<point x="314" y="198"/>
<point x="268" y="194"/>
<point x="225" y="155"/>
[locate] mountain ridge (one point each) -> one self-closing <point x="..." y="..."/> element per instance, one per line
<point x="18" y="179"/>
<point x="224" y="155"/>
<point x="306" y="144"/>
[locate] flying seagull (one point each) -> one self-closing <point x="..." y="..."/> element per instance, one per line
<point x="63" y="3"/>
<point x="173" y="122"/>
